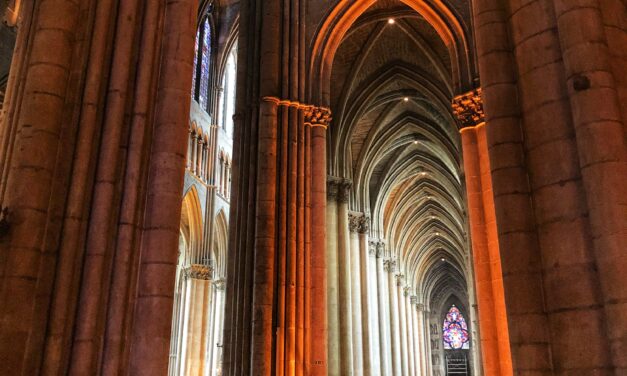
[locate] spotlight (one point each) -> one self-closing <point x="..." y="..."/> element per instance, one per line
<point x="391" y="21"/>
<point x="415" y="142"/>
<point x="443" y="259"/>
<point x="405" y="99"/>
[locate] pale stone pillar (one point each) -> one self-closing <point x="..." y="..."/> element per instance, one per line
<point x="345" y="305"/>
<point x="394" y="323"/>
<point x="384" y="306"/>
<point x="333" y="316"/>
<point x="355" y="221"/>
<point x="400" y="291"/>
<point x="369" y="278"/>
<point x="195" y="354"/>
<point x="218" y="324"/>
<point x="411" y="334"/>
<point x="417" y="333"/>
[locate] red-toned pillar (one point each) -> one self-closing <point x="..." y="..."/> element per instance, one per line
<point x="495" y="348"/>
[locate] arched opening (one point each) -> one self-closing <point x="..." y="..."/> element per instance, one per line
<point x="398" y="246"/>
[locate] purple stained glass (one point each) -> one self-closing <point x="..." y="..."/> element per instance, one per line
<point x="205" y="64"/>
<point x="194" y="78"/>
<point x="455" y="330"/>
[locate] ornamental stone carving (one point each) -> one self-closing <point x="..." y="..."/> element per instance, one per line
<point x="406" y="291"/>
<point x="220" y="284"/>
<point x="468" y="108"/>
<point x="317" y="116"/>
<point x="198" y="271"/>
<point x="343" y="190"/>
<point x="380" y="249"/>
<point x="399" y="279"/>
<point x="372" y="247"/>
<point x="413" y="299"/>
<point x="389" y="265"/>
<point x="354" y="222"/>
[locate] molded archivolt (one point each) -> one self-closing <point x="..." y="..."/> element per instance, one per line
<point x="389" y="70"/>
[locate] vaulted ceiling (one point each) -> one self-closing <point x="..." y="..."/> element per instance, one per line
<point x="393" y="78"/>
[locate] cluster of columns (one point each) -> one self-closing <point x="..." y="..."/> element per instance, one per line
<point x="195" y="347"/>
<point x="202" y="152"/>
<point x="495" y="348"/>
<point x="92" y="154"/>
<point x="376" y="323"/>
<point x="555" y="140"/>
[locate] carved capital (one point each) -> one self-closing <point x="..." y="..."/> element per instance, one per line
<point x="389" y="265"/>
<point x="468" y="108"/>
<point x="399" y="279"/>
<point x="420" y="307"/>
<point x="220" y="284"/>
<point x="413" y="299"/>
<point x="380" y="249"/>
<point x="344" y="190"/>
<point x="317" y="116"/>
<point x="198" y="271"/>
<point x="354" y="221"/>
<point x="372" y="247"/>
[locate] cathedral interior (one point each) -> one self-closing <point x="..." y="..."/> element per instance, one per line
<point x="313" y="187"/>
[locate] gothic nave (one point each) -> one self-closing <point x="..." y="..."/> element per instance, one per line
<point x="313" y="187"/>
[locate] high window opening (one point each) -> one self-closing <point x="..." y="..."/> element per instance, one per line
<point x="455" y="330"/>
<point x="198" y="313"/>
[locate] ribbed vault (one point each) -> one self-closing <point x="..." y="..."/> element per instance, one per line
<point x="393" y="76"/>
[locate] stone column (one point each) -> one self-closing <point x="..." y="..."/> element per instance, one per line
<point x="395" y="339"/>
<point x="345" y="297"/>
<point x="370" y="280"/>
<point x="383" y="307"/>
<point x="199" y="280"/>
<point x="411" y="334"/>
<point x="417" y="337"/>
<point x="485" y="248"/>
<point x="355" y="223"/>
<point x="333" y="313"/>
<point x="402" y="318"/>
<point x="599" y="129"/>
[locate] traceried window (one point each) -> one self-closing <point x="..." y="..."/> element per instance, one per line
<point x="455" y="330"/>
<point x="227" y="99"/>
<point x="202" y="64"/>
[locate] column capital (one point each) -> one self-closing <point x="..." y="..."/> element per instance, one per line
<point x="413" y="299"/>
<point x="220" y="284"/>
<point x="468" y="108"/>
<point x="420" y="307"/>
<point x="399" y="279"/>
<point x="317" y="116"/>
<point x="338" y="189"/>
<point x="198" y="271"/>
<point x="389" y="265"/>
<point x="359" y="222"/>
<point x="380" y="248"/>
<point x="372" y="247"/>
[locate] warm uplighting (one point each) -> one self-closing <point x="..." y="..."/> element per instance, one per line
<point x="424" y="174"/>
<point x="391" y="21"/>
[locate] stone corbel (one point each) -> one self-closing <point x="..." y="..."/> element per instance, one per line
<point x="468" y="108"/>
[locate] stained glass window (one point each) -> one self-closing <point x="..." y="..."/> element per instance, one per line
<point x="194" y="78"/>
<point x="455" y="330"/>
<point x="205" y="64"/>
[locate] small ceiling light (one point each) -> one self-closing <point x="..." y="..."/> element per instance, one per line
<point x="437" y="234"/>
<point x="415" y="142"/>
<point x="425" y="174"/>
<point x="391" y="21"/>
<point x="443" y="259"/>
<point x="405" y="99"/>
